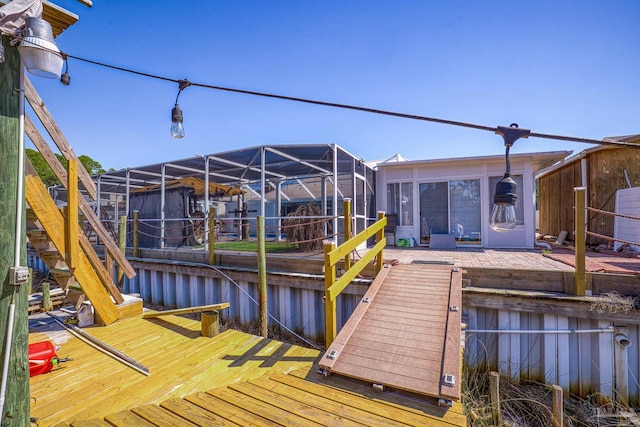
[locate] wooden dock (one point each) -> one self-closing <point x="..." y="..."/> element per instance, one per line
<point x="234" y="379"/>
<point x="405" y="333"/>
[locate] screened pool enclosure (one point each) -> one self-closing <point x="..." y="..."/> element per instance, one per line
<point x="236" y="186"/>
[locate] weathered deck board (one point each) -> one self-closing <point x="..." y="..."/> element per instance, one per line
<point x="405" y="336"/>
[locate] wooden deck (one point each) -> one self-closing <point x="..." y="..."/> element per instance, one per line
<point x="232" y="379"/>
<point x="403" y="334"/>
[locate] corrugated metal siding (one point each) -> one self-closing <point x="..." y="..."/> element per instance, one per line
<point x="582" y="364"/>
<point x="300" y="309"/>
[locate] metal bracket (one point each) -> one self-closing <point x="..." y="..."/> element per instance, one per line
<point x="366" y="300"/>
<point x="449" y="380"/>
<point x="454" y="308"/>
<point x="378" y="387"/>
<point x="445" y="402"/>
<point x="333" y="354"/>
<point x="323" y="372"/>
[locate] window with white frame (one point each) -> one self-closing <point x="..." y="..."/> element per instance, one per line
<point x="400" y="202"/>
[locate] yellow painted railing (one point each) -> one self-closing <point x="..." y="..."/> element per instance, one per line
<point x="334" y="255"/>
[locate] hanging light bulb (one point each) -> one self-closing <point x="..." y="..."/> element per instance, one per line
<point x="177" y="128"/>
<point x="503" y="212"/>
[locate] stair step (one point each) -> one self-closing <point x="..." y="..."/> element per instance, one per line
<point x="38" y="237"/>
<point x="61" y="271"/>
<point x="52" y="254"/>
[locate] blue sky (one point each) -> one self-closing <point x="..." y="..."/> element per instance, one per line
<point x="557" y="67"/>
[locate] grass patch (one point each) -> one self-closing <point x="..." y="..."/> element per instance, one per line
<point x="252" y="246"/>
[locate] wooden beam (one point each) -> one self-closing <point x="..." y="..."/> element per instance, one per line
<point x="451" y="352"/>
<point x="344" y="281"/>
<point x="580" y="241"/>
<point x="57" y="136"/>
<point x="347" y="247"/>
<point x="105" y="277"/>
<point x="347" y="230"/>
<point x="85" y="208"/>
<point x="331" y="328"/>
<point x="262" y="279"/>
<point x="53" y="223"/>
<point x="543" y="303"/>
<point x="198" y="309"/>
<point x="17" y="375"/>
<point x="72" y="214"/>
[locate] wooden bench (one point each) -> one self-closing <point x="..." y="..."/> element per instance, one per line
<point x="209" y="321"/>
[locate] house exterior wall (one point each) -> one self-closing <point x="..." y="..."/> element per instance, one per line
<point x="523" y="236"/>
<point x="602" y="171"/>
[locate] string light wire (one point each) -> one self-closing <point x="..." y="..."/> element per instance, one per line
<point x="358" y="108"/>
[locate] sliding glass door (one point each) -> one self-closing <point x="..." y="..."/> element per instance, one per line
<point x="451" y="207"/>
<point x="434" y="210"/>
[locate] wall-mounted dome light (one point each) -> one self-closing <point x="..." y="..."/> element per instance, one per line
<point x="40" y="54"/>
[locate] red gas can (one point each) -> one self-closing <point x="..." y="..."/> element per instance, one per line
<point x="42" y="358"/>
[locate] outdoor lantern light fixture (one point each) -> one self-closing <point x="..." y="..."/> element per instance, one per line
<point x="503" y="213"/>
<point x="177" y="129"/>
<point x="40" y="54"/>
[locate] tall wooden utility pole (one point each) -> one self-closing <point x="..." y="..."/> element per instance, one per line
<point x="16" y="405"/>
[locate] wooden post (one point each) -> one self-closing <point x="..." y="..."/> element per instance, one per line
<point x="72" y="235"/>
<point x="557" y="407"/>
<point x="379" y="237"/>
<point x="16" y="404"/>
<point x="262" y="278"/>
<point x="329" y="305"/>
<point x="244" y="224"/>
<point x="46" y="296"/>
<point x="136" y="215"/>
<point x="122" y="241"/>
<point x="580" y="237"/>
<point x="494" y="398"/>
<point x="347" y="230"/>
<point x="212" y="235"/>
<point x="210" y="323"/>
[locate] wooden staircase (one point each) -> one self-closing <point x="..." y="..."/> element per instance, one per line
<point x="48" y="253"/>
<point x="55" y="235"/>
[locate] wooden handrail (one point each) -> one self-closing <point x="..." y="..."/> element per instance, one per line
<point x="56" y="134"/>
<point x="350" y="245"/>
<point x="333" y="255"/>
<point x="187" y="310"/>
<point x="61" y="173"/>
